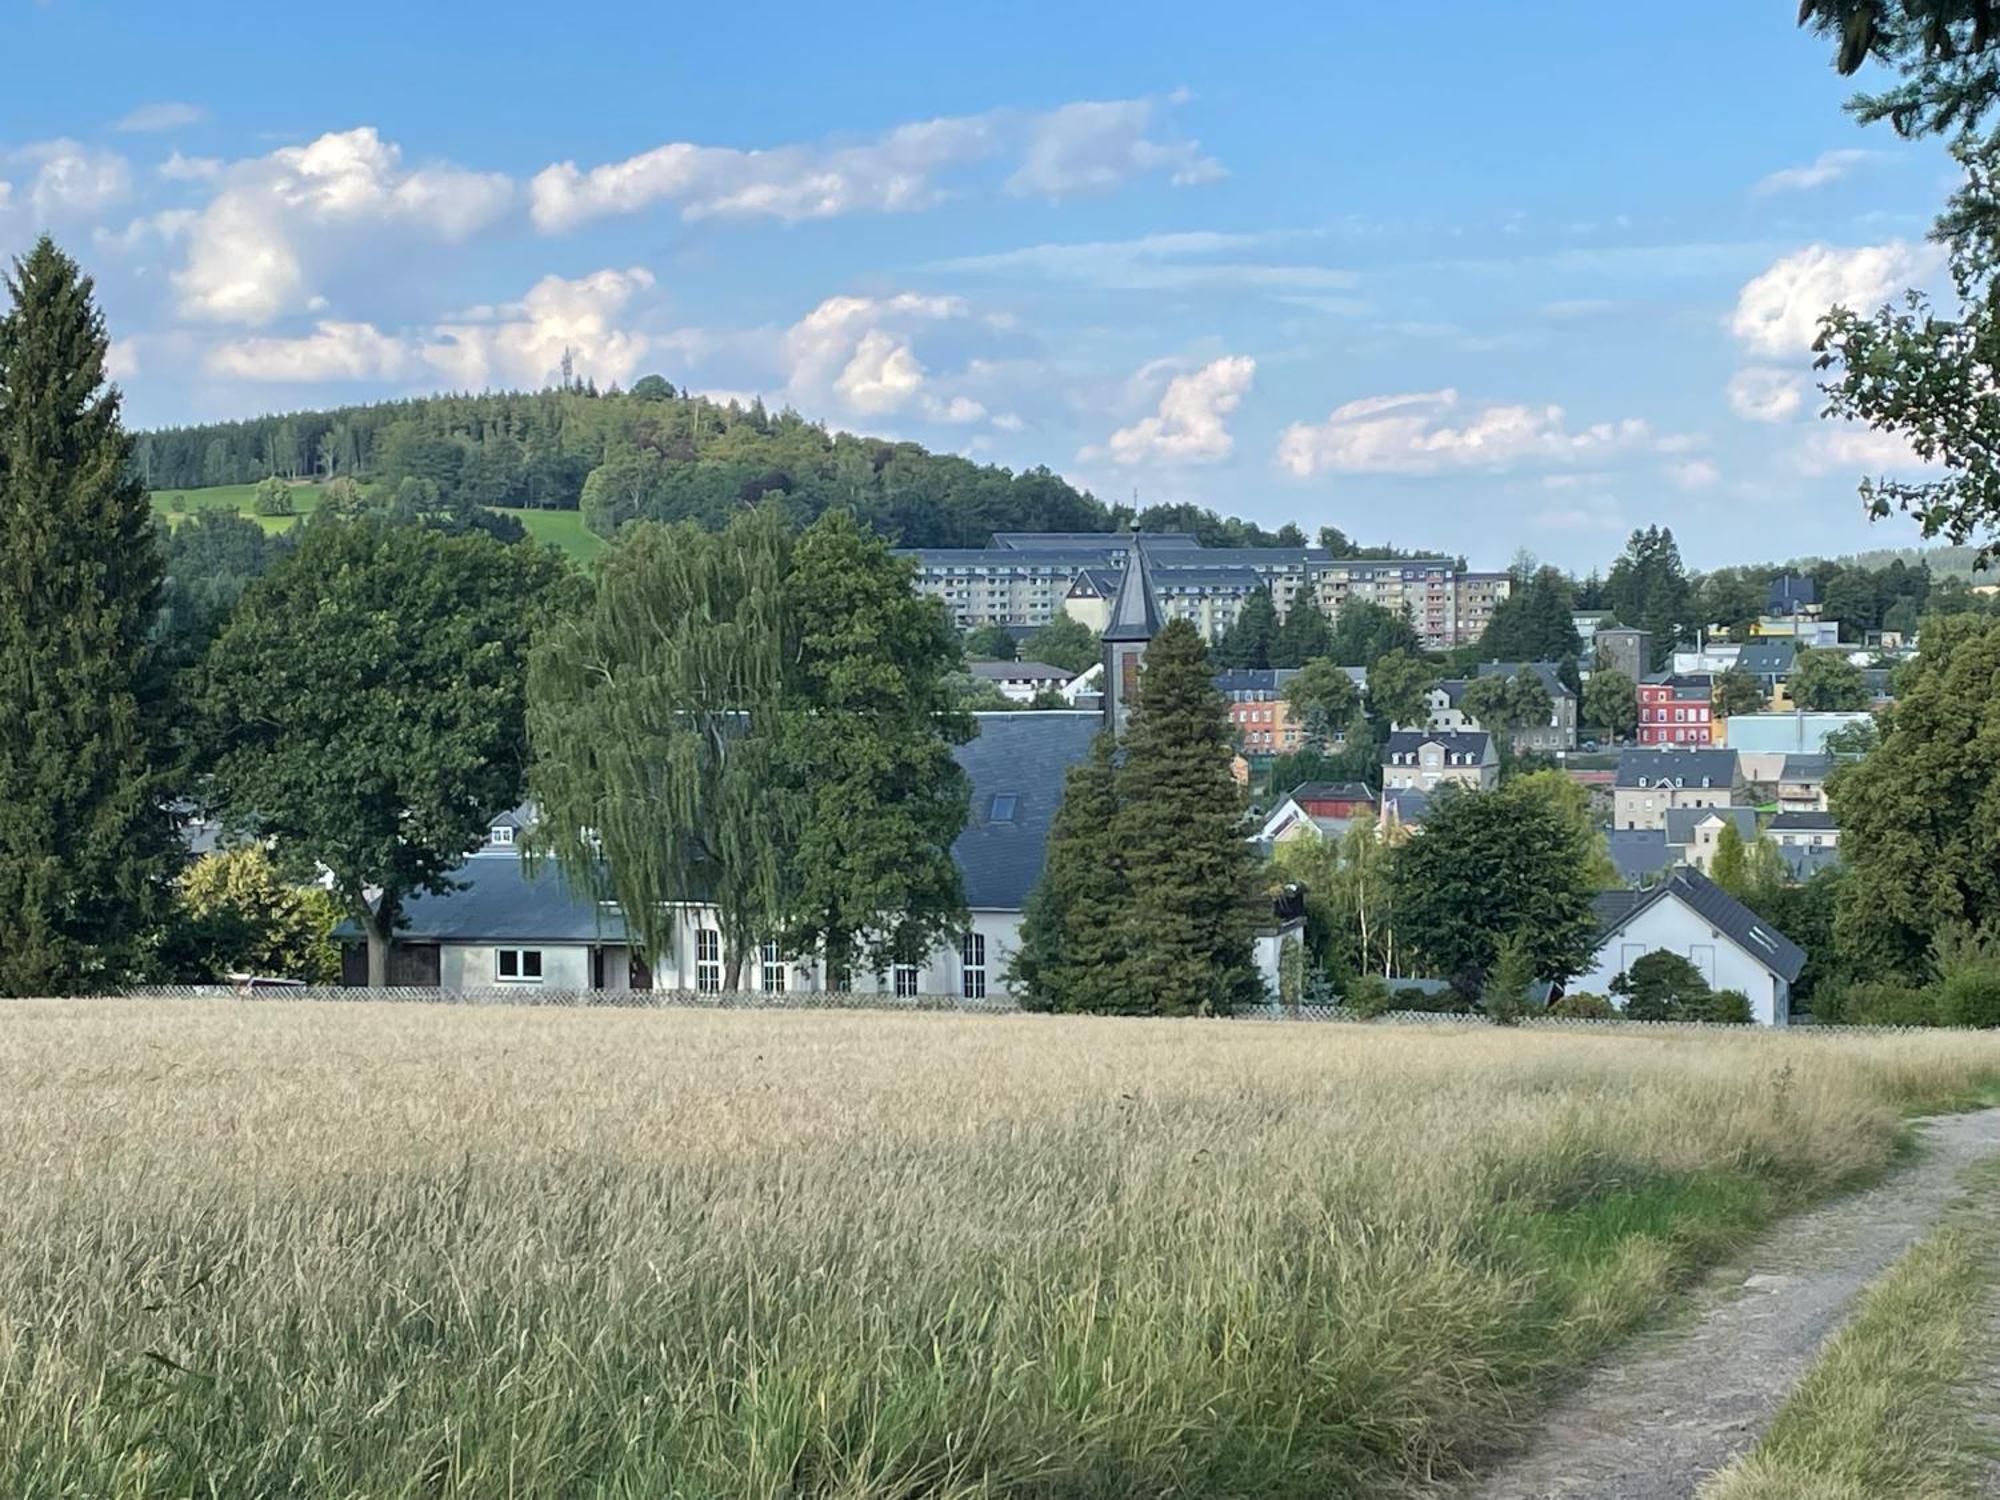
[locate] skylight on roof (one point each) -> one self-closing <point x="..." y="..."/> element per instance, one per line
<point x="1001" y="809"/>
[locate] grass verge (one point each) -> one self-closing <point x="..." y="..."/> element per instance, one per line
<point x="1879" y="1416"/>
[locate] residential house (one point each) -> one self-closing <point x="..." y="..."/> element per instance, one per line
<point x="1795" y="733"/>
<point x="1792" y="595"/>
<point x="1675" y="710"/>
<point x="1694" y="832"/>
<point x="1021" y="681"/>
<point x="1404" y="808"/>
<point x="1769" y="663"/>
<point x="1689" y="914"/>
<point x="1640" y="854"/>
<point x="1623" y="649"/>
<point x="1810" y="830"/>
<point x="1652" y="782"/>
<point x="1424" y="760"/>
<point x="1559" y="733"/>
<point x="1802" y="783"/>
<point x="1258" y="711"/>
<point x="1335" y="799"/>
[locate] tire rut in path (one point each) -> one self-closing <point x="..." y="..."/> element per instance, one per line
<point x="1656" y="1419"/>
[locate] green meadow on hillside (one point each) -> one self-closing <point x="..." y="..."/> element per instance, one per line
<point x="563" y="529"/>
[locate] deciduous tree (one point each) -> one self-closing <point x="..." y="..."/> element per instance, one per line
<point x="1067" y="643"/>
<point x="1398" y="689"/>
<point x="1323" y="697"/>
<point x="367" y="698"/>
<point x="1826" y="681"/>
<point x="1611" y="702"/>
<point x="1732" y="693"/>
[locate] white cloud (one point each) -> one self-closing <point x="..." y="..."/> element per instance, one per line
<point x="1189" y="425"/>
<point x="1409" y="434"/>
<point x="251" y="254"/>
<point x="71" y="180"/>
<point x="1695" y="474"/>
<point x="146" y="233"/>
<point x="169" y="115"/>
<point x="861" y="351"/>
<point x="1828" y="166"/>
<point x="121" y="359"/>
<point x="1759" y="393"/>
<point x="1074" y="148"/>
<point x="518" y="344"/>
<point x="1778" y="312"/>
<point x="1095" y="145"/>
<point x="523" y="342"/>
<point x="335" y="351"/>
<point x="179" y="168"/>
<point x="1843" y="447"/>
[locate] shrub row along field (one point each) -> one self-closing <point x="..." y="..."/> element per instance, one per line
<point x="270" y="1248"/>
<point x="563" y="529"/>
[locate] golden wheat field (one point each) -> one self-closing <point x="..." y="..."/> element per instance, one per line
<point x="254" y="1249"/>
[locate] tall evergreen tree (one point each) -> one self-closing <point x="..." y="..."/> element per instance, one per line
<point x="1247" y="643"/>
<point x="1073" y="947"/>
<point x="1188" y="918"/>
<point x="86" y="846"/>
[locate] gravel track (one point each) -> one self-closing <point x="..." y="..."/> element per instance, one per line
<point x="1669" y="1410"/>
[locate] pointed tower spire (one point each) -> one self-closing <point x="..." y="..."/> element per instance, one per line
<point x="1134" y="620"/>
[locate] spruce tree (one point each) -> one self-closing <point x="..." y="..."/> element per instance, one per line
<point x="1187" y="921"/>
<point x="86" y="846"/>
<point x="1072" y="941"/>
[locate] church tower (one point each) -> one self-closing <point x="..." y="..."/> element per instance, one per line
<point x="1134" y="621"/>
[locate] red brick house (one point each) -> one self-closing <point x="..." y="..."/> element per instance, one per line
<point x="1674" y="710"/>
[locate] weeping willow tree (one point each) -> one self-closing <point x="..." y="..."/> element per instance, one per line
<point x="656" y="782"/>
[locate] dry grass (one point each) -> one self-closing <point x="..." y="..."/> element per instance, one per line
<point x="269" y="1249"/>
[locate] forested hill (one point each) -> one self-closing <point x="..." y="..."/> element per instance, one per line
<point x="656" y="453"/>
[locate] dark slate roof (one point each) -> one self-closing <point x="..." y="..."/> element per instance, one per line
<point x="1453" y="689"/>
<point x="1718" y="908"/>
<point x="1025" y="756"/>
<point x="1803" y="861"/>
<point x="1253" y="682"/>
<point x="1682" y="821"/>
<point x="1804" y="822"/>
<point x="1792" y="592"/>
<point x="1548" y="671"/>
<point x="1094" y="583"/>
<point x="1769" y="658"/>
<point x="1684" y="768"/>
<point x="1018" y="671"/>
<point x="499" y="901"/>
<point x="1135" y="612"/>
<point x="1639" y="852"/>
<point x="516" y="817"/>
<point x="1331" y="791"/>
<point x="1063" y="541"/>
<point x="1408" y="806"/>
<point x="1805" y="769"/>
<point x="1456" y="742"/>
<point x="1208" y="577"/>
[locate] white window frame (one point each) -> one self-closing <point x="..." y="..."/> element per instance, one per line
<point x="972" y="965"/>
<point x="708" y="961"/>
<point x="522" y="960"/>
<point x="501" y="833"/>
<point x="907" y="981"/>
<point x="772" y="968"/>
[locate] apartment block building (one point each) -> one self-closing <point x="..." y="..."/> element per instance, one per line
<point x="1027" y="578"/>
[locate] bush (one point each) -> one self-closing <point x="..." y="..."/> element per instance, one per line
<point x="274" y="497"/>
<point x="1661" y="986"/>
<point x="1968" y="997"/>
<point x="1445" y="1002"/>
<point x="1584" y="1006"/>
<point x="1721" y="1008"/>
<point x="1369" y="996"/>
<point x="1875" y="1003"/>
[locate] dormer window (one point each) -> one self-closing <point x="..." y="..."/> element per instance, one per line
<point x="501" y="833"/>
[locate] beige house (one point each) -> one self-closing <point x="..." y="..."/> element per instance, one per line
<point x="1422" y="761"/>
<point x="1694" y="832"/>
<point x="1653" y="782"/>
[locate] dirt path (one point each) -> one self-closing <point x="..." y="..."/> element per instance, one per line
<point x="1655" y="1421"/>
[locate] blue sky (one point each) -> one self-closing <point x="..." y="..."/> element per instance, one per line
<point x="1499" y="277"/>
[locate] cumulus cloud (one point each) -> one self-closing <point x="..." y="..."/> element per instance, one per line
<point x="1414" y="434"/>
<point x="179" y="168"/>
<point x="523" y="342"/>
<point x="68" y="180"/>
<point x="1189" y="426"/>
<point x="333" y="352"/>
<point x="252" y="252"/>
<point x="1778" y="312"/>
<point x="1828" y="166"/>
<point x="519" y="343"/>
<point x="861" y="350"/>
<point x="168" y="115"/>
<point x="1095" y="145"/>
<point x="1075" y="148"/>
<point x="1695" y="474"/>
<point x="1759" y="393"/>
<point x="148" y="232"/>
<point x="1847" y="448"/>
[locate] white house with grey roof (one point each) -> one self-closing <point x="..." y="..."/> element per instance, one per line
<point x="1424" y="761"/>
<point x="1650" y="782"/>
<point x="1690" y="915"/>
